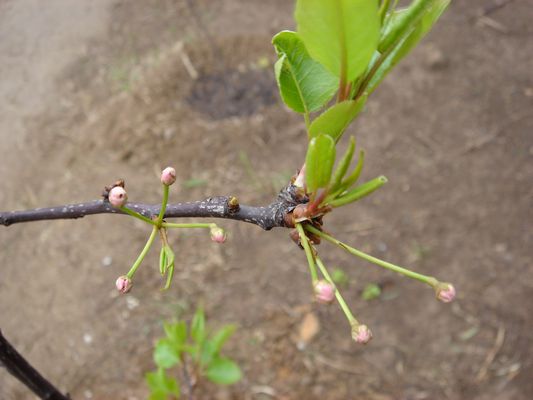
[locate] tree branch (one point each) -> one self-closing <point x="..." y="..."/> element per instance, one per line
<point x="21" y="369"/>
<point x="266" y="217"/>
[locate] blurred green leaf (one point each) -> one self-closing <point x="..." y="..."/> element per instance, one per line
<point x="371" y="291"/>
<point x="162" y="386"/>
<point x="166" y="354"/>
<point x="223" y="371"/>
<point x="221" y="336"/>
<point x="339" y="277"/>
<point x="359" y="192"/>
<point x="407" y="28"/>
<point x="198" y="326"/>
<point x="340" y="34"/>
<point x="304" y="84"/>
<point x="176" y="332"/>
<point x="319" y="162"/>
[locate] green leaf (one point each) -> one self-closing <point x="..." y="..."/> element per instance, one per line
<point x="222" y="335"/>
<point x="176" y="333"/>
<point x="223" y="371"/>
<point x="319" y="162"/>
<point x="342" y="166"/>
<point x="304" y="84"/>
<point x="354" y="176"/>
<point x="337" y="118"/>
<point x="359" y="192"/>
<point x="198" y="326"/>
<point x="162" y="261"/>
<point x="166" y="354"/>
<point x="207" y="352"/>
<point x="161" y="385"/>
<point x="417" y="28"/>
<point x="340" y="34"/>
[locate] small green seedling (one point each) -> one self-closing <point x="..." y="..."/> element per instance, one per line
<point x="193" y="353"/>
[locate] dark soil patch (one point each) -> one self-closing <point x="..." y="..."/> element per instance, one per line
<point x="233" y="93"/>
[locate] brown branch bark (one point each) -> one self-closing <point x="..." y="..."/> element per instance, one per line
<point x="266" y="217"/>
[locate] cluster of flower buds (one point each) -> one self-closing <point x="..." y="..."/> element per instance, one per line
<point x="117" y="197"/>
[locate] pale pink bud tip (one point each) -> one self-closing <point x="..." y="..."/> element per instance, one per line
<point x="445" y="292"/>
<point x="361" y="334"/>
<point x="218" y="235"/>
<point x="118" y="196"/>
<point x="123" y="284"/>
<point x="168" y="176"/>
<point x="324" y="292"/>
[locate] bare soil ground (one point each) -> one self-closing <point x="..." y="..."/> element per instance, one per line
<point x="94" y="91"/>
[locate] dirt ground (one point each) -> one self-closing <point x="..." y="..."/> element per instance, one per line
<point x="94" y="91"/>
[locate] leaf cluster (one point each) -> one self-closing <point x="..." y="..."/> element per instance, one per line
<point x="193" y="348"/>
<point x="345" y="47"/>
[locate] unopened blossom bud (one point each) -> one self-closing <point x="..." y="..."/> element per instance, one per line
<point x="361" y="333"/>
<point x="324" y="291"/>
<point x="118" y="196"/>
<point x="218" y="235"/>
<point x="168" y="176"/>
<point x="123" y="284"/>
<point x="445" y="292"/>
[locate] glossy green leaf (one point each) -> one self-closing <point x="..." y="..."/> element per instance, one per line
<point x="359" y="192"/>
<point x="319" y="162"/>
<point x="198" y="326"/>
<point x="162" y="386"/>
<point x="336" y="119"/>
<point x="340" y="34"/>
<point x="344" y="163"/>
<point x="304" y="84"/>
<point x="166" y="354"/>
<point x="223" y="371"/>
<point x="427" y="16"/>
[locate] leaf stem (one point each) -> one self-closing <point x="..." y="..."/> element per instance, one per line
<point x="143" y="253"/>
<point x="338" y="296"/>
<point x="308" y="252"/>
<point x="163" y="205"/>
<point x="429" y="280"/>
<point x="137" y="215"/>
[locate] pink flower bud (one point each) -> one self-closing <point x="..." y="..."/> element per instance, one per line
<point x="168" y="176"/>
<point x="445" y="292"/>
<point x="324" y="292"/>
<point x="218" y="235"/>
<point x="361" y="333"/>
<point x="123" y="284"/>
<point x="118" y="196"/>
